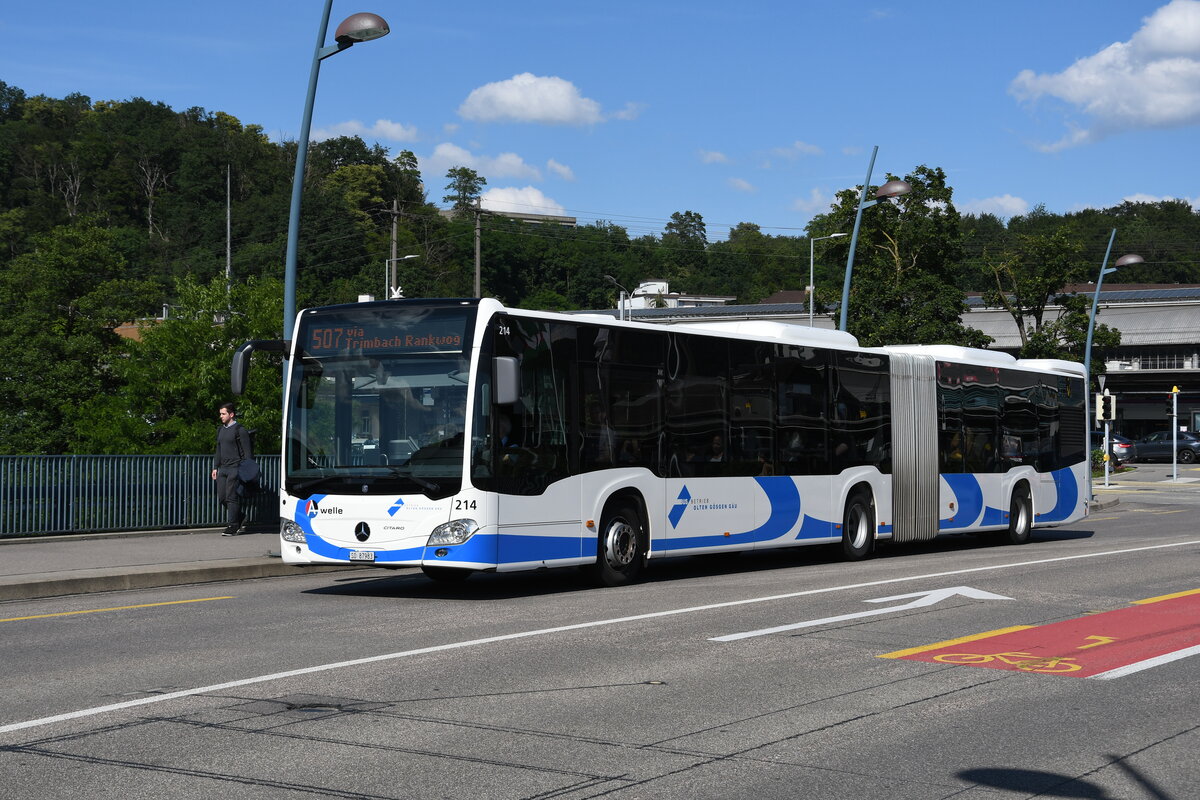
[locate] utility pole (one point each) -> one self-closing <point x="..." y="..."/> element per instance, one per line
<point x="392" y="283"/>
<point x="478" y="217"/>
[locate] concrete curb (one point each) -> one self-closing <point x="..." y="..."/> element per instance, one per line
<point x="30" y="587"/>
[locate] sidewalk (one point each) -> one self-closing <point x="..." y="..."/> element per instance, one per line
<point x="49" y="566"/>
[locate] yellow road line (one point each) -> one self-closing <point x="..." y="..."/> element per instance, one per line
<point x="1162" y="597"/>
<point x="116" y="608"/>
<point x="972" y="638"/>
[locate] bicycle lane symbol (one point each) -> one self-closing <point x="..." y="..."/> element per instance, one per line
<point x="1101" y="645"/>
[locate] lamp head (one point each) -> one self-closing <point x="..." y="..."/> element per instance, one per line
<point x="362" y="27"/>
<point x="1131" y="258"/>
<point x="893" y="189"/>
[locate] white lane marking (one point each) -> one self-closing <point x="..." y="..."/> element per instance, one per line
<point x="218" y="687"/>
<point x="1138" y="666"/>
<point x="922" y="599"/>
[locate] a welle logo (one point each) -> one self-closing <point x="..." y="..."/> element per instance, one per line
<point x="686" y="501"/>
<point x="312" y="509"/>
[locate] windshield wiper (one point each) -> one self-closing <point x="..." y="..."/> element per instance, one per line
<point x="424" y="484"/>
<point x="300" y="488"/>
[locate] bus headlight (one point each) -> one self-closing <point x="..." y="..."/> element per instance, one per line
<point x="291" y="532"/>
<point x="456" y="531"/>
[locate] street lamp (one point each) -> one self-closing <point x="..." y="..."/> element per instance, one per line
<point x="1123" y="261"/>
<point x="621" y="300"/>
<point x="392" y="288"/>
<point x="811" y="287"/>
<point x="889" y="189"/>
<point x="354" y="28"/>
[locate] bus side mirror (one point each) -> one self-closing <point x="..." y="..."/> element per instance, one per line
<point x="241" y="360"/>
<point x="506" y="380"/>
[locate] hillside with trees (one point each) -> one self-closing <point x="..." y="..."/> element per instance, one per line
<point x="118" y="211"/>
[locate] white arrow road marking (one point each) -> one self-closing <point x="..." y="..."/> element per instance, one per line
<point x="922" y="599"/>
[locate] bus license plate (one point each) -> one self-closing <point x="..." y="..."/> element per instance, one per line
<point x="362" y="555"/>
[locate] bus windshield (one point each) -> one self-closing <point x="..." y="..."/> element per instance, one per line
<point x="377" y="400"/>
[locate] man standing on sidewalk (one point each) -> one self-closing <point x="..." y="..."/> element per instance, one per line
<point x="233" y="445"/>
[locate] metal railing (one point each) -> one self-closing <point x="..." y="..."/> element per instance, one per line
<point x="84" y="494"/>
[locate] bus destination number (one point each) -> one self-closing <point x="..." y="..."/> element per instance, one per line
<point x="334" y="338"/>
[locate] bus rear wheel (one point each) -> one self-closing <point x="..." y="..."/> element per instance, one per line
<point x="858" y="527"/>
<point x="1020" y="516"/>
<point x="621" y="545"/>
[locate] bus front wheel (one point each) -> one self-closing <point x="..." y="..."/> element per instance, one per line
<point x="621" y="548"/>
<point x="858" y="527"/>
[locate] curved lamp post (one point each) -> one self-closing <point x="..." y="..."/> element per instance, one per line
<point x="354" y="28"/>
<point x="621" y="299"/>
<point x="811" y="287"/>
<point x="1123" y="261"/>
<point x="889" y="189"/>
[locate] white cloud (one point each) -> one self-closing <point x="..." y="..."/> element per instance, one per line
<point x="530" y="98"/>
<point x="797" y="149"/>
<point x="383" y="129"/>
<point x="505" y="165"/>
<point x="561" y="170"/>
<point x="527" y="200"/>
<point x="817" y="200"/>
<point x="1003" y="206"/>
<point x="629" y="112"/>
<point x="713" y="157"/>
<point x="1150" y="81"/>
<point x="742" y="185"/>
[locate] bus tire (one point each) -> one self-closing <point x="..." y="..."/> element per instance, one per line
<point x="621" y="545"/>
<point x="1020" y="515"/>
<point x="858" y="526"/>
<point x="446" y="574"/>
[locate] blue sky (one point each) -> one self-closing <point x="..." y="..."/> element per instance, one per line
<point x="629" y="111"/>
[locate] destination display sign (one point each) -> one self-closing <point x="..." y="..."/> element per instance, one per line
<point x="381" y="333"/>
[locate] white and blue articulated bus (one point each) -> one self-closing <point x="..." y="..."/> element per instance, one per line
<point x="462" y="436"/>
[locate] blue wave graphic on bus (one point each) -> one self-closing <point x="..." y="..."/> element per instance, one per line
<point x="968" y="495"/>
<point x="306" y="511"/>
<point x="1068" y="496"/>
<point x="320" y="547"/>
<point x="784" y="498"/>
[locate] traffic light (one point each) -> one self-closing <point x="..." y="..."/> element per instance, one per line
<point x="1106" y="407"/>
<point x="1109" y="403"/>
<point x="1171" y="401"/>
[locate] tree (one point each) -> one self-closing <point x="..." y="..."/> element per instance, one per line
<point x="1066" y="337"/>
<point x="465" y="187"/>
<point x="62" y="301"/>
<point x="908" y="266"/>
<point x="1031" y="273"/>
<point x="684" y="241"/>
<point x="171" y="381"/>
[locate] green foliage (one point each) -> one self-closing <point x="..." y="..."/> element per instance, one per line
<point x="110" y="210"/>
<point x="61" y="301"/>
<point x="907" y="268"/>
<point x="158" y="407"/>
<point x="464" y="188"/>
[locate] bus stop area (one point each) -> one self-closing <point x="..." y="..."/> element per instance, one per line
<point x="50" y="566"/>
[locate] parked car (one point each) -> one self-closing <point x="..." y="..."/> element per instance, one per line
<point x="1157" y="447"/>
<point x="1120" y="449"/>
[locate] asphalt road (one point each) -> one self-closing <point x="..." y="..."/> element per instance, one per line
<point x="386" y="685"/>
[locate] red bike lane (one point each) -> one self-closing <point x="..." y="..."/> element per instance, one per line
<point x="1110" y="644"/>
